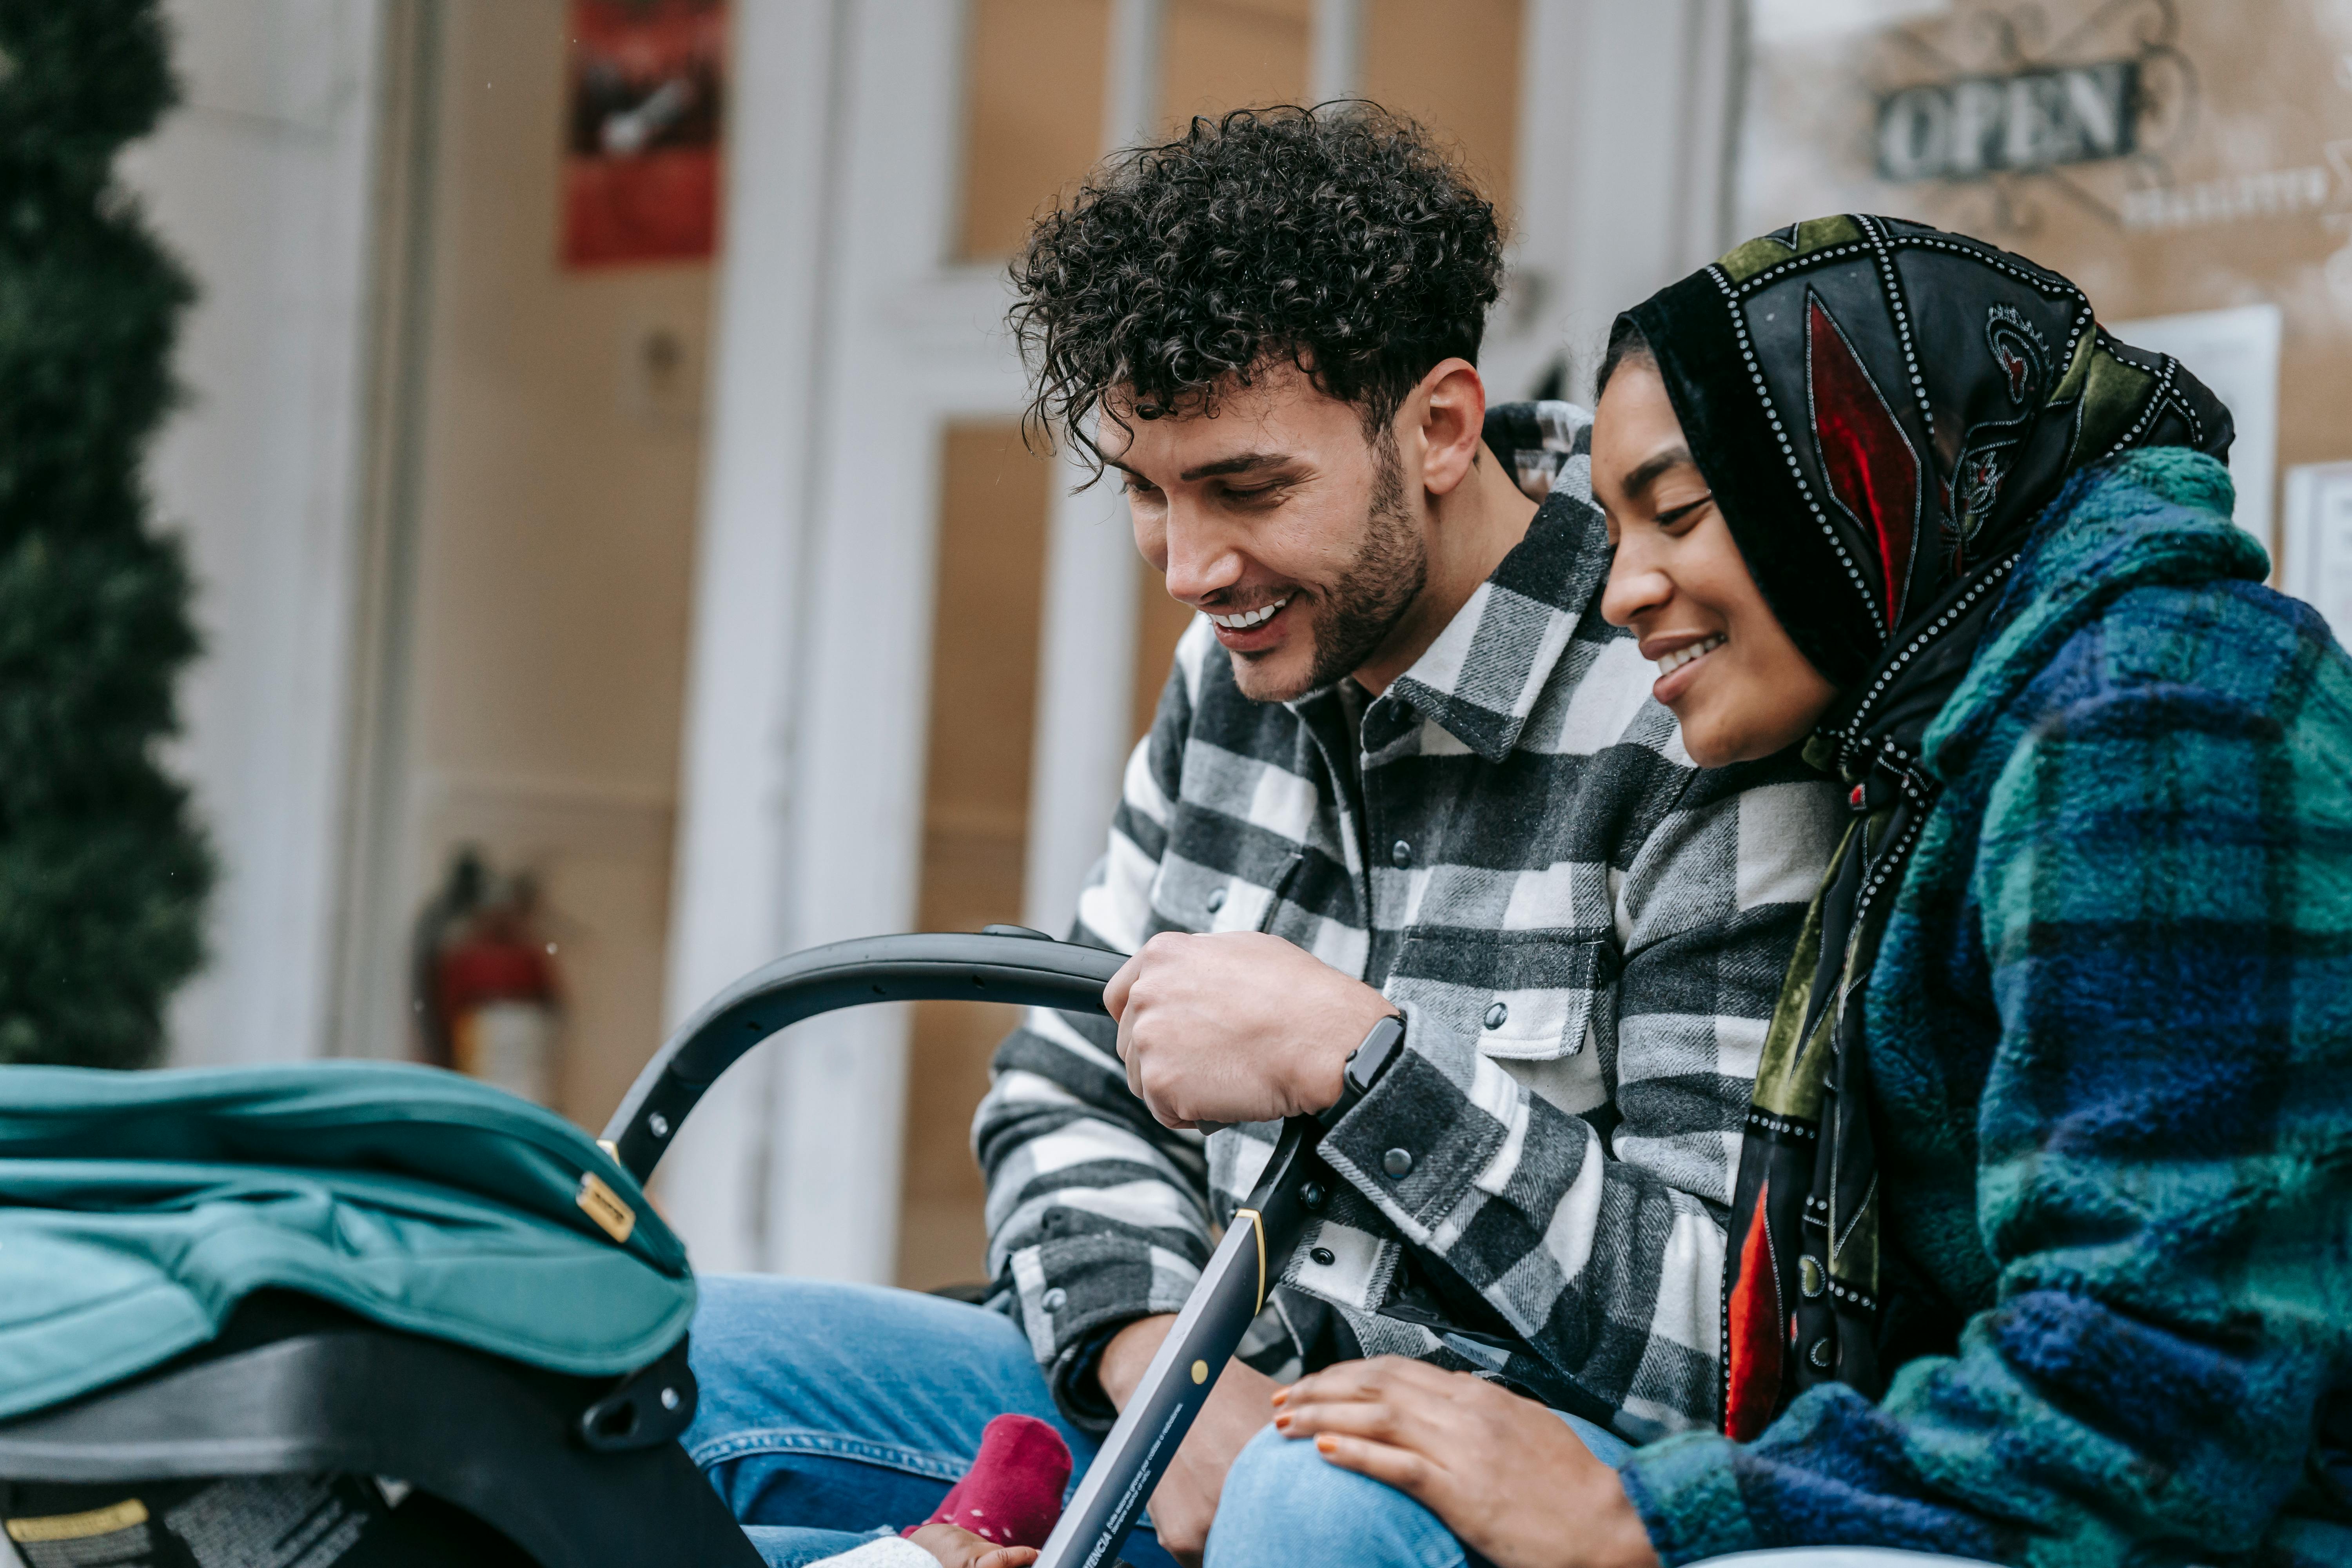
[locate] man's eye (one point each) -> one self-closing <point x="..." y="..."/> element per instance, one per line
<point x="1135" y="486"/>
<point x="1256" y="493"/>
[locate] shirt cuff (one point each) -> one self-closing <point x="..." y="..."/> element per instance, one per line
<point x="1688" y="1493"/>
<point x="1418" y="1141"/>
<point x="1075" y="1379"/>
<point x="1074" y="1292"/>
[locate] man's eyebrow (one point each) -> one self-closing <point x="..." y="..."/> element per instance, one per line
<point x="1246" y="462"/>
<point x="1648" y="472"/>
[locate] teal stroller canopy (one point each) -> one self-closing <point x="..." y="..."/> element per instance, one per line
<point x="138" y="1210"/>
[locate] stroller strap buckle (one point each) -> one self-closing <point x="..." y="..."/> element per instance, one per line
<point x="602" y="1205"/>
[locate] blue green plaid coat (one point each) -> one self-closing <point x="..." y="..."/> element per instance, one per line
<point x="2111" y="1034"/>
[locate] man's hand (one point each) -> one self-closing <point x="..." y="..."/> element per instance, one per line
<point x="1503" y="1473"/>
<point x="1237" y="1026"/>
<point x="1236" y="1410"/>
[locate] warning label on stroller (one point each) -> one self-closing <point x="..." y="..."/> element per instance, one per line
<point x="246" y="1521"/>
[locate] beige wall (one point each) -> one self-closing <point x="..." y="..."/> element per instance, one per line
<point x="559" y="467"/>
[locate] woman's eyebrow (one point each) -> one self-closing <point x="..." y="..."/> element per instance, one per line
<point x="1651" y="469"/>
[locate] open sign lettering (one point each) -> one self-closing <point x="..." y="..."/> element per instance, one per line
<point x="2033" y="120"/>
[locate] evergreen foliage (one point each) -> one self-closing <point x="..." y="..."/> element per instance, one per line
<point x="102" y="873"/>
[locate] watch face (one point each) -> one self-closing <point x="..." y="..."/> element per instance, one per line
<point x="1365" y="1062"/>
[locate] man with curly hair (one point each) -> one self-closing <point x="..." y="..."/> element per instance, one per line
<point x="1402" y="767"/>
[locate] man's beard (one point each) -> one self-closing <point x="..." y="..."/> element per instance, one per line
<point x="1356" y="616"/>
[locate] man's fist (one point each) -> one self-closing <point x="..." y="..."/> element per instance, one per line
<point x="1237" y="1026"/>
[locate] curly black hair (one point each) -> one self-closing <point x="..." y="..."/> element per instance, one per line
<point x="1336" y="238"/>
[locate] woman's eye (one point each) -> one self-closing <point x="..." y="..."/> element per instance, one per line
<point x="1676" y="519"/>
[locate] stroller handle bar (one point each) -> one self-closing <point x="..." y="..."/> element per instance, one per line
<point x="1004" y="963"/>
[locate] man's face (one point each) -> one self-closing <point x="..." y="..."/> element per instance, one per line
<point x="1283" y="522"/>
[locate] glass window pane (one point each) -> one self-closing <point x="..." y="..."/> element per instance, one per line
<point x="1034" y="114"/>
<point x="2175" y="161"/>
<point x="1456" y="69"/>
<point x="1217" y="54"/>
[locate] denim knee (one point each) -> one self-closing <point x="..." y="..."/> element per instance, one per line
<point x="1285" y="1506"/>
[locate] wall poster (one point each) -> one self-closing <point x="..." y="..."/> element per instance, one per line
<point x="2319" y="542"/>
<point x="641" y="134"/>
<point x="2188" y="165"/>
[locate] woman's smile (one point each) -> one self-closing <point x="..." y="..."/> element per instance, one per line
<point x="1679" y="656"/>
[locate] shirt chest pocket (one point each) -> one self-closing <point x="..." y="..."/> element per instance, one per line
<point x="1521" y="996"/>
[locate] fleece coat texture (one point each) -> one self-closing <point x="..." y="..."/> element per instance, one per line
<point x="2110" y="1035"/>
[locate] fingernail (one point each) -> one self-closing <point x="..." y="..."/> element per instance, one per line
<point x="1325" y="1444"/>
<point x="1281" y="1423"/>
<point x="1280" y="1394"/>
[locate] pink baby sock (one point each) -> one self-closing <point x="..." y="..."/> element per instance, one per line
<point x="1013" y="1493"/>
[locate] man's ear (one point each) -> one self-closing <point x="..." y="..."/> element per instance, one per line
<point x="1451" y="403"/>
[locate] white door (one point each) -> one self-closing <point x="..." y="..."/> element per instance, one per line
<point x="886" y="156"/>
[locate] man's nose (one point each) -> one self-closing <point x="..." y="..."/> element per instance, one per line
<point x="1200" y="561"/>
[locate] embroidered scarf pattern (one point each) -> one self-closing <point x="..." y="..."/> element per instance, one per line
<point x="1881" y="409"/>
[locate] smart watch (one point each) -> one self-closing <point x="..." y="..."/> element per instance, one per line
<point x="1364" y="1066"/>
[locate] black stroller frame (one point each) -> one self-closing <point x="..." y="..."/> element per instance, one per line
<point x="587" y="1473"/>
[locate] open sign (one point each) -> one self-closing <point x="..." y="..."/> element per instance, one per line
<point x="2033" y="120"/>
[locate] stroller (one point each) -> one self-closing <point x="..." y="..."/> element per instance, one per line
<point x="283" y="1376"/>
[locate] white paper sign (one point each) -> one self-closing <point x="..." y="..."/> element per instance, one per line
<point x="2236" y="354"/>
<point x="2318" y="565"/>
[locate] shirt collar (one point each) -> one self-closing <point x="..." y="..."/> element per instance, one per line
<point x="1480" y="679"/>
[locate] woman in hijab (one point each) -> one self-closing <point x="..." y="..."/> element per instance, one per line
<point x="2041" y="1246"/>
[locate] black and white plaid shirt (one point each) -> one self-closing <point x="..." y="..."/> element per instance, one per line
<point x="1584" y="933"/>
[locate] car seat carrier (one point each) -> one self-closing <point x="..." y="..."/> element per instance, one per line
<point x="309" y="1426"/>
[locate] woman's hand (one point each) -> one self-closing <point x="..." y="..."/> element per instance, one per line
<point x="1503" y="1473"/>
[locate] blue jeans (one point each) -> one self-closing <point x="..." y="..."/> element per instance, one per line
<point x="831" y="1414"/>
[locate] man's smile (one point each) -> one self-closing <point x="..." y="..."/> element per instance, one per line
<point x="1256" y="631"/>
<point x="1248" y="618"/>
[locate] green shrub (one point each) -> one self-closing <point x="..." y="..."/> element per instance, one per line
<point x="102" y="873"/>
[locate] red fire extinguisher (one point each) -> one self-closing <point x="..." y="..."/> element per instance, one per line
<point x="485" y="980"/>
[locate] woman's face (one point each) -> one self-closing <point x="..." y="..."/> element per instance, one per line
<point x="1736" y="683"/>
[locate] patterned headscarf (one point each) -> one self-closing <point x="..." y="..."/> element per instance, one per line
<point x="1883" y="410"/>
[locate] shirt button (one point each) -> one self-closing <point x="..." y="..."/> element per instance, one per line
<point x="1053" y="1300"/>
<point x="1323" y="1255"/>
<point x="1400" y="854"/>
<point x="1497" y="1016"/>
<point x="1216" y="900"/>
<point x="1397" y="1162"/>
